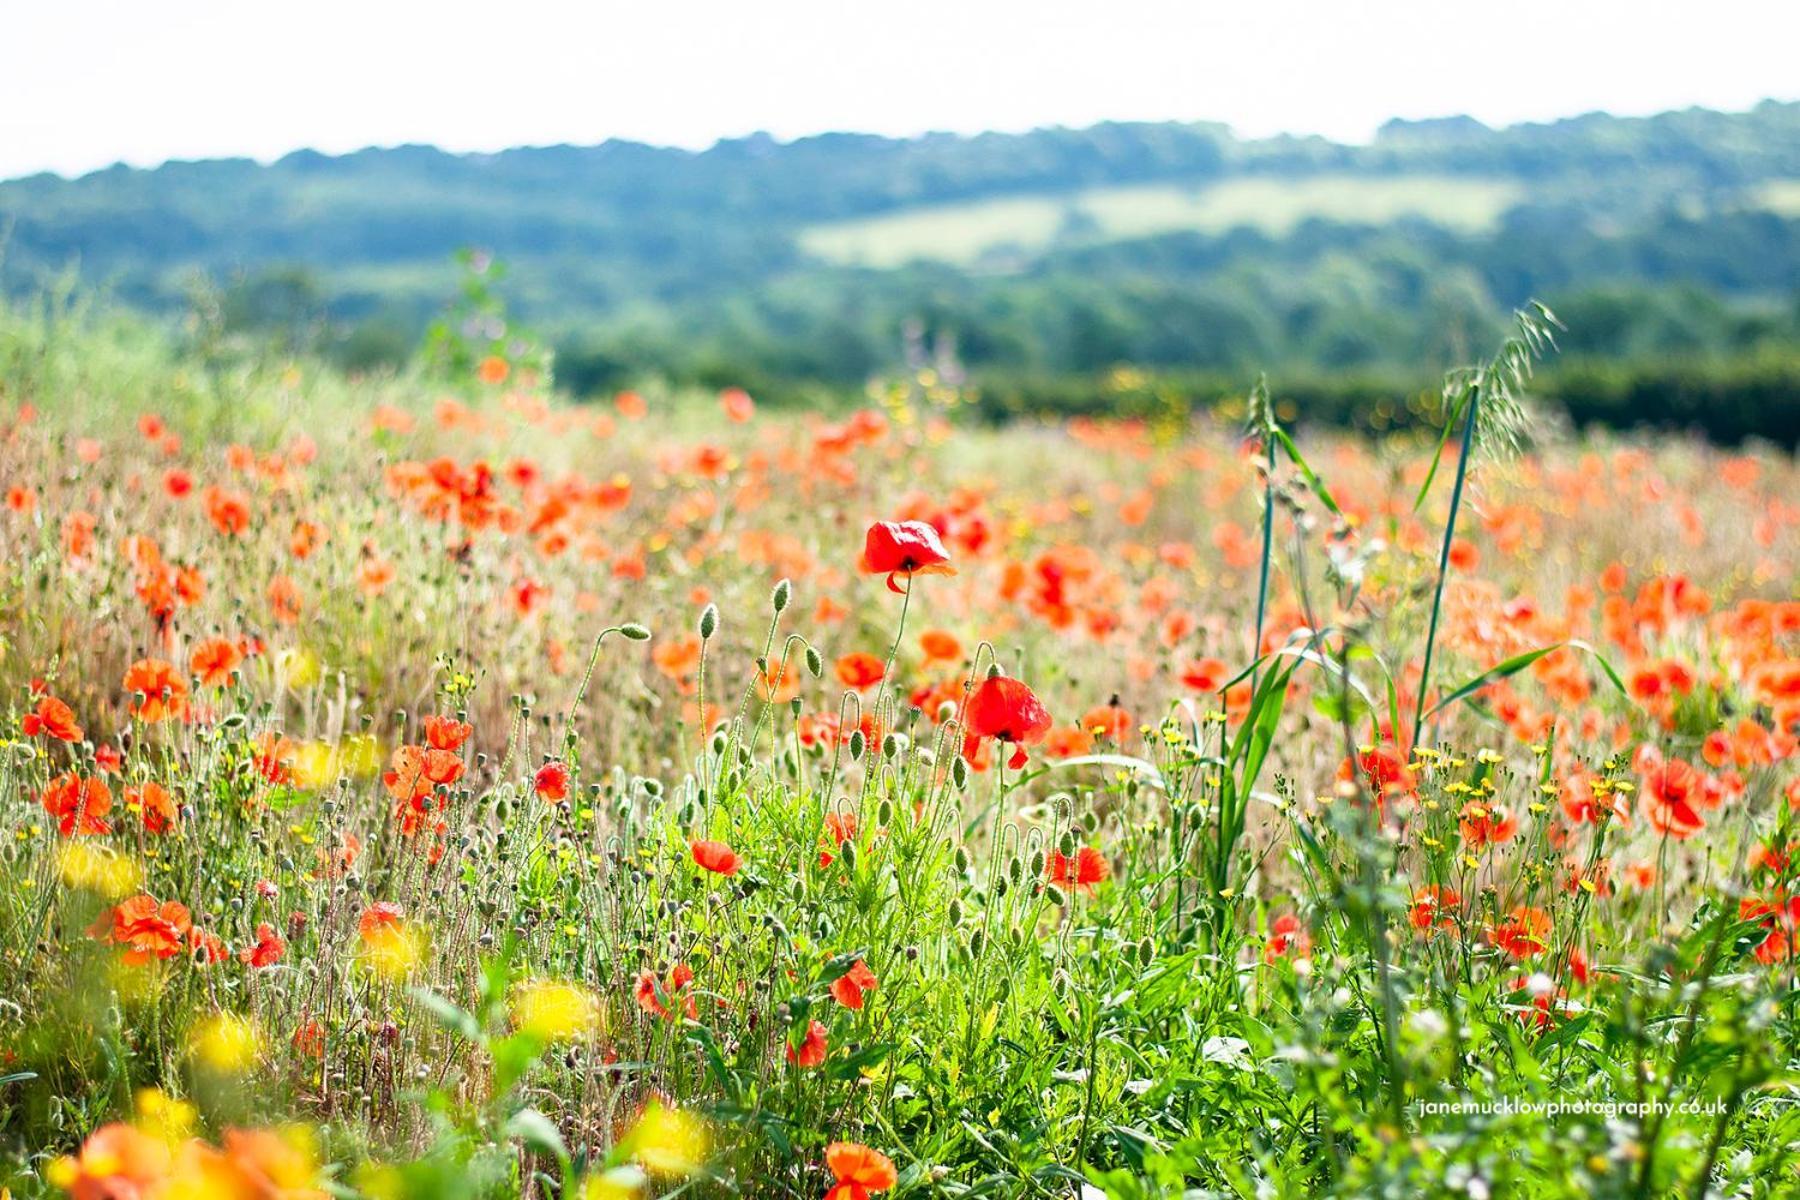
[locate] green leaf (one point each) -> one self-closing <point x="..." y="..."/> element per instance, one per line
<point x="1519" y="662"/>
<point x="1306" y="472"/>
<point x="457" y="1020"/>
<point x="537" y="1131"/>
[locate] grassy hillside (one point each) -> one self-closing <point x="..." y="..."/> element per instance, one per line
<point x="979" y="231"/>
<point x="803" y="265"/>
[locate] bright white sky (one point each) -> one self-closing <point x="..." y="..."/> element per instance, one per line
<point x="85" y="83"/>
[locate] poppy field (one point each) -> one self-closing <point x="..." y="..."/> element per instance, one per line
<point x="428" y="787"/>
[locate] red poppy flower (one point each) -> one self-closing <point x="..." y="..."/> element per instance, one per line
<point x="1005" y="709"/>
<point x="859" y="1171"/>
<point x="675" y="988"/>
<point x="379" y="920"/>
<point x="1205" y="674"/>
<point x="1084" y="869"/>
<point x="1524" y="934"/>
<point x="53" y="719"/>
<point x="904" y="548"/>
<point x="1672" y="789"/>
<point x="716" y="857"/>
<point x="552" y="782"/>
<point x="1428" y="906"/>
<point x="813" y="1047"/>
<point x="79" y="805"/>
<point x="860" y="670"/>
<point x="849" y="988"/>
<point x="268" y="950"/>
<point x="1287" y="936"/>
<point x="839" y="828"/>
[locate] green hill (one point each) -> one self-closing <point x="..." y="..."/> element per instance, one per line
<point x="1052" y="252"/>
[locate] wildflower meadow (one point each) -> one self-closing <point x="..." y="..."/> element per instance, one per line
<point x="420" y="785"/>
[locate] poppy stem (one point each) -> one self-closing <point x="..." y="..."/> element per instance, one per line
<point x="887" y="671"/>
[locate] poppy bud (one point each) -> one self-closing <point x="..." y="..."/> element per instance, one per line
<point x="635" y="632"/>
<point x="1146" y="952"/>
<point x="955" y="912"/>
<point x="815" y="664"/>
<point x="977" y="942"/>
<point x="890" y="746"/>
<point x="1055" y="895"/>
<point x="856" y="746"/>
<point x="709" y="621"/>
<point x="959" y="773"/>
<point x="1014" y="868"/>
<point x="1037" y="863"/>
<point x="784" y="592"/>
<point x="1001" y="887"/>
<point x="1090" y="822"/>
<point x="884" y="812"/>
<point x="962" y="860"/>
<point x="1066" y="846"/>
<point x="848" y="850"/>
<point x="718" y="742"/>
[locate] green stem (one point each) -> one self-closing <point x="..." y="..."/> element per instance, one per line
<point x="1437" y="600"/>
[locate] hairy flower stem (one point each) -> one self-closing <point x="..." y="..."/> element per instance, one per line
<point x="887" y="672"/>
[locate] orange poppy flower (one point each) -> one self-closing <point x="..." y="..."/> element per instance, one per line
<point x="446" y="733"/>
<point x="148" y="929"/>
<point x="158" y="693"/>
<point x="79" y="805"/>
<point x="154" y="805"/>
<point x="213" y="661"/>
<point x="859" y="670"/>
<point x="859" y="1171"/>
<point x="940" y="646"/>
<point x="852" y="986"/>
<point x="53" y="719"/>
